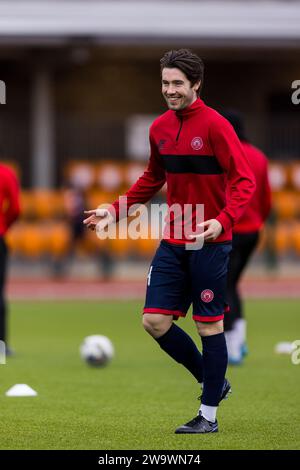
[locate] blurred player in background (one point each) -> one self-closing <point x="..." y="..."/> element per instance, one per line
<point x="9" y="212"/>
<point x="244" y="241"/>
<point x="197" y="152"/>
<point x="74" y="204"/>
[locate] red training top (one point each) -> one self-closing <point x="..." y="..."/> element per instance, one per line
<point x="259" y="206"/>
<point x="198" y="154"/>
<point x="9" y="198"/>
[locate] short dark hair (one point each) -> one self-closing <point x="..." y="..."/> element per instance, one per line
<point x="186" y="61"/>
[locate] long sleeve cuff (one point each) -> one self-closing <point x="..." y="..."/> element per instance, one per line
<point x="225" y="221"/>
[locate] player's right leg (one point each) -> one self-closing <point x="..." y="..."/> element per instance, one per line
<point x="157" y="324"/>
<point x="167" y="298"/>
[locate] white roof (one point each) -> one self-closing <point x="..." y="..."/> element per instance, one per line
<point x="261" y="22"/>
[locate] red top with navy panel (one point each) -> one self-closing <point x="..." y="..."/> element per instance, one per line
<point x="198" y="154"/>
<point x="259" y="206"/>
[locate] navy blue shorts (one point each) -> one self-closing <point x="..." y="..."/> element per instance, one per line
<point x="178" y="278"/>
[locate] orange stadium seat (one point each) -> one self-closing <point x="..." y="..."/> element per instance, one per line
<point x="48" y="204"/>
<point x="14" y="238"/>
<point x="121" y="247"/>
<point x="90" y="242"/>
<point x="296" y="237"/>
<point x="34" y="240"/>
<point x="146" y="247"/>
<point x="27" y="205"/>
<point x="285" y="204"/>
<point x="295" y="176"/>
<point x="59" y="238"/>
<point x="97" y="197"/>
<point x="282" y="238"/>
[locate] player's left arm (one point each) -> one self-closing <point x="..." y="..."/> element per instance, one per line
<point x="228" y="150"/>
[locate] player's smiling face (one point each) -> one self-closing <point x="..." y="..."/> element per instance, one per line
<point x="177" y="89"/>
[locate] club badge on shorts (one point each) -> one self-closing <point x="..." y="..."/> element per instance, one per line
<point x="197" y="143"/>
<point x="207" y="295"/>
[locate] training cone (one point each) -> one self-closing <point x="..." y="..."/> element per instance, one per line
<point x="21" y="390"/>
<point x="284" y="348"/>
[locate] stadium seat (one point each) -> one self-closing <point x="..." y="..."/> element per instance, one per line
<point x="146" y="247"/>
<point x="97" y="197"/>
<point x="110" y="176"/>
<point x="285" y="204"/>
<point x="282" y="238"/>
<point x="81" y="174"/>
<point x="296" y="237"/>
<point x="48" y="204"/>
<point x="295" y="176"/>
<point x="90" y="243"/>
<point x="27" y="205"/>
<point x="120" y="246"/>
<point x="34" y="240"/>
<point x="277" y="176"/>
<point x="133" y="171"/>
<point x="59" y="239"/>
<point x="14" y="238"/>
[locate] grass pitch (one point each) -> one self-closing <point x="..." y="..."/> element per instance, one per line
<point x="142" y="396"/>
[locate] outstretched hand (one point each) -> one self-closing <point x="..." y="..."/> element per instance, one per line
<point x="98" y="218"/>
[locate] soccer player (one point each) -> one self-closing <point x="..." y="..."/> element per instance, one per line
<point x="196" y="151"/>
<point x="246" y="234"/>
<point x="9" y="212"/>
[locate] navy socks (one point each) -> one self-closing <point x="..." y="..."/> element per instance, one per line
<point x="214" y="368"/>
<point x="180" y="346"/>
<point x="209" y="368"/>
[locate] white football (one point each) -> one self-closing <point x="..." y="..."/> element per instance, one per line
<point x="97" y="350"/>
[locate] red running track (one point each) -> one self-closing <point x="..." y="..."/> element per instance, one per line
<point x="123" y="290"/>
